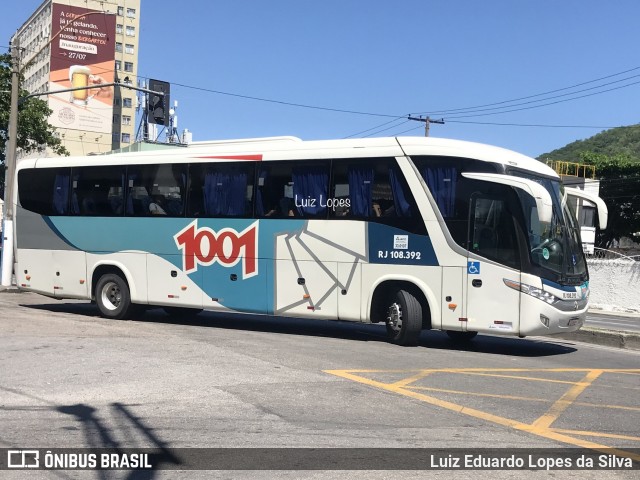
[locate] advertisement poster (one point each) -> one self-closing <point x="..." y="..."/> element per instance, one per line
<point x="82" y="55"/>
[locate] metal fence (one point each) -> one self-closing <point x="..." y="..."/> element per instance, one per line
<point x="604" y="254"/>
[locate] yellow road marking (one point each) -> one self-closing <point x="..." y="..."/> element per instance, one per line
<point x="526" y="399"/>
<point x="566" y="400"/>
<point x="515" y="377"/>
<point x="540" y="427"/>
<point x="597" y="434"/>
<point x="410" y="380"/>
<point x="477" y="394"/>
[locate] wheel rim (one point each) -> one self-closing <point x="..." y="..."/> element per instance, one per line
<point x="394" y="317"/>
<point x="111" y="296"/>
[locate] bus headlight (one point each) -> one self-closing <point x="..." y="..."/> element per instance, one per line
<point x="531" y="290"/>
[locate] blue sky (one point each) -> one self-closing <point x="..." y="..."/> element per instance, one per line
<point x="387" y="59"/>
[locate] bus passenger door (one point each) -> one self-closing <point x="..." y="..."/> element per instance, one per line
<point x="69" y="273"/>
<point x="493" y="257"/>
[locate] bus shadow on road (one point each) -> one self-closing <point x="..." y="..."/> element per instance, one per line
<point x="432" y="339"/>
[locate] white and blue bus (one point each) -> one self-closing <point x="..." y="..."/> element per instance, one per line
<point x="415" y="233"/>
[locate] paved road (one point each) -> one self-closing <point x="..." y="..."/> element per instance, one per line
<point x="70" y="378"/>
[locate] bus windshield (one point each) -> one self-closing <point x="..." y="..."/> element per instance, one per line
<point x="555" y="247"/>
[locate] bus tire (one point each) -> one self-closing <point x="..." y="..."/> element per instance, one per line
<point x="404" y="319"/>
<point x="461" y="337"/>
<point x="113" y="297"/>
<point x="183" y="312"/>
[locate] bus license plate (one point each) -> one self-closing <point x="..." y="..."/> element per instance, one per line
<point x="573" y="322"/>
<point x="569" y="295"/>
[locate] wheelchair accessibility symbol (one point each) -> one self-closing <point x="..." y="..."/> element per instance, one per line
<point x="473" y="268"/>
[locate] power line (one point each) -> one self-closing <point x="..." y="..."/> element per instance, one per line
<point x="544" y="104"/>
<point x="385" y="129"/>
<point x="427" y="122"/>
<point x="450" y="119"/>
<point x="530" y="124"/>
<point x="338" y="110"/>
<point x="376" y="127"/>
<point x="461" y="110"/>
<point x="475" y="109"/>
<point x="405" y="131"/>
<point x="282" y="102"/>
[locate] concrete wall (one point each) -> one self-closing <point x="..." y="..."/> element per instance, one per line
<point x="614" y="285"/>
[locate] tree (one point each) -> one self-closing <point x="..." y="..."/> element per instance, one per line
<point x="34" y="130"/>
<point x="619" y="181"/>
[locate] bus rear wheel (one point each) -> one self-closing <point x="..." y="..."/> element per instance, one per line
<point x="113" y="297"/>
<point x="404" y="319"/>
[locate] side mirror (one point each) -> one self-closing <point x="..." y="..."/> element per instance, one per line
<point x="603" y="211"/>
<point x="537" y="191"/>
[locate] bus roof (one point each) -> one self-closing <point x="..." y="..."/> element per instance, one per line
<point x="291" y="148"/>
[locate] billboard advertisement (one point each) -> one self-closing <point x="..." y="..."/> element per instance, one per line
<point x="82" y="55"/>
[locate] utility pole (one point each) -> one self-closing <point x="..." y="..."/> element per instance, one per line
<point x="427" y="121"/>
<point x="10" y="166"/>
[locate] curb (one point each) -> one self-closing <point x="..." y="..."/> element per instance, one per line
<point x="615" y="313"/>
<point x="600" y="336"/>
<point x="11" y="289"/>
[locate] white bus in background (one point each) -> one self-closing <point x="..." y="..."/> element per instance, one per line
<point x="415" y="233"/>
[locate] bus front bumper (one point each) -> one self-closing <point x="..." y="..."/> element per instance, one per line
<point x="540" y="318"/>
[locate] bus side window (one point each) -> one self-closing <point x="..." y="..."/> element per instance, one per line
<point x="97" y="191"/>
<point x="221" y="190"/>
<point x="44" y="190"/>
<point x="293" y="189"/>
<point x="162" y="185"/>
<point x="351" y="189"/>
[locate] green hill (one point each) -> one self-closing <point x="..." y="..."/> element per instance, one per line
<point x="616" y="141"/>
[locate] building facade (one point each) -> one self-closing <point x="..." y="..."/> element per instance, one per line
<point x="69" y="44"/>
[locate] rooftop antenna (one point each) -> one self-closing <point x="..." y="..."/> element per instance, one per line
<point x="143" y="128"/>
<point x="172" y="131"/>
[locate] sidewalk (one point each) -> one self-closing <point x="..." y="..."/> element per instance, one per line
<point x="603" y="336"/>
<point x="11" y="289"/>
<point x="14" y="286"/>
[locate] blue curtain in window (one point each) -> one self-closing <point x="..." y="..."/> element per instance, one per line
<point x="402" y="207"/>
<point x="442" y="183"/>
<point x="360" y="190"/>
<point x="61" y="194"/>
<point x="310" y="183"/>
<point x="224" y="192"/>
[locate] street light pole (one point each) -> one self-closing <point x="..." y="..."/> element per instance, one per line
<point x="10" y="166"/>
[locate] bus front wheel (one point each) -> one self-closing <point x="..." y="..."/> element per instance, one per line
<point x="404" y="319"/>
<point x="113" y="297"/>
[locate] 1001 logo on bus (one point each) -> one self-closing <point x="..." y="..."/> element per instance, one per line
<point x="203" y="246"/>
